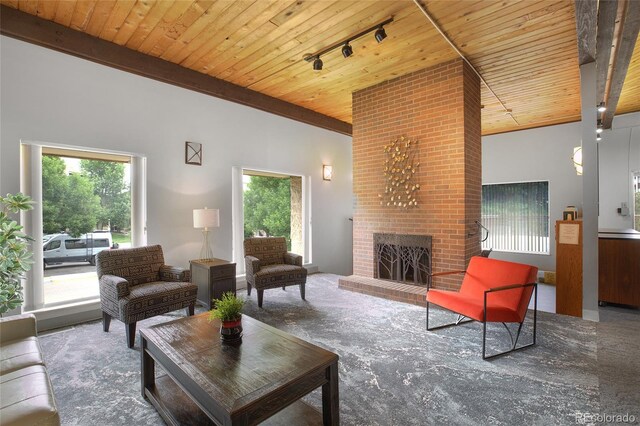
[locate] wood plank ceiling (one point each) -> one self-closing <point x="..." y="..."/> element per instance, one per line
<point x="525" y="49"/>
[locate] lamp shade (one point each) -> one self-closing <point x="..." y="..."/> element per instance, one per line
<point x="577" y="159"/>
<point x="206" y="218"/>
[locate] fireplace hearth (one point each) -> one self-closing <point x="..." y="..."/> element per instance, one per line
<point x="403" y="258"/>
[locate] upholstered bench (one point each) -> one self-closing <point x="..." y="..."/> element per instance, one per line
<point x="27" y="394"/>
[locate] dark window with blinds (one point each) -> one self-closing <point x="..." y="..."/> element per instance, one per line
<point x="517" y="217"/>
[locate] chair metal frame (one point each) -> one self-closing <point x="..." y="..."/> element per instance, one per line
<point x="460" y="320"/>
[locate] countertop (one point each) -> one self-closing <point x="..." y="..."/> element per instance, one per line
<point x="620" y="234"/>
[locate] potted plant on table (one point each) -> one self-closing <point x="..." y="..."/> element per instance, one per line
<point x="15" y="256"/>
<point x="228" y="310"/>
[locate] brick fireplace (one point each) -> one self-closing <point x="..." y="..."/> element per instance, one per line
<point x="439" y="109"/>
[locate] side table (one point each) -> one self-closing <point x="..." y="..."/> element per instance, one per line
<point x="213" y="278"/>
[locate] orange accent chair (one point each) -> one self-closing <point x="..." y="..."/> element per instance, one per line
<point x="492" y="291"/>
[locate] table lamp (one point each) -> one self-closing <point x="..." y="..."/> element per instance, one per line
<point x="206" y="218"/>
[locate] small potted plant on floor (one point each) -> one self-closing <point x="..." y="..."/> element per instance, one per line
<point x="228" y="310"/>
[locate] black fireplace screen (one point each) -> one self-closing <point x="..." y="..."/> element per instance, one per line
<point x="403" y="258"/>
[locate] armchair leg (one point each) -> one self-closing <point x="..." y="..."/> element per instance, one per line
<point x="106" y="321"/>
<point x="513" y="342"/>
<point x="191" y="309"/>
<point x="302" y="291"/>
<point x="460" y="320"/>
<point x="260" y="294"/>
<point x="248" y="289"/>
<point x="131" y="334"/>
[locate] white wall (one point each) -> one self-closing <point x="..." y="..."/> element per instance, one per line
<point x="52" y="97"/>
<point x="545" y="154"/>
<point x="619" y="158"/>
<point x="534" y="155"/>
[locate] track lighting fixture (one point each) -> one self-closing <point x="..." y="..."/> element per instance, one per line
<point x="602" y="107"/>
<point x="380" y="34"/>
<point x="598" y="136"/>
<point x="347" y="50"/>
<point x="317" y="64"/>
<point x="599" y="129"/>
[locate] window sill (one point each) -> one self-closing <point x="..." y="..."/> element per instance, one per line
<point x="65" y="315"/>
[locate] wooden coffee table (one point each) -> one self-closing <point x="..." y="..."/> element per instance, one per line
<point x="207" y="382"/>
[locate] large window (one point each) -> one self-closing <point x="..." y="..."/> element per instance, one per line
<point x="86" y="201"/>
<point x="271" y="203"/>
<point x="517" y="216"/>
<point x="86" y="205"/>
<point x="273" y="207"/>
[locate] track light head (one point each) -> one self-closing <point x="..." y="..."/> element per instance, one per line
<point x="598" y="137"/>
<point x="602" y="107"/>
<point x="317" y="64"/>
<point x="347" y="50"/>
<point x="345" y="44"/>
<point x="599" y="129"/>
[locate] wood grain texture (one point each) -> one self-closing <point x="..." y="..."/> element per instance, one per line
<point x="213" y="277"/>
<point x="619" y="271"/>
<point x="241" y="384"/>
<point x="607" y="11"/>
<point x="586" y="28"/>
<point x="624" y="52"/>
<point x="630" y="95"/>
<point x="569" y="273"/>
<point x="524" y="49"/>
<point x="29" y="28"/>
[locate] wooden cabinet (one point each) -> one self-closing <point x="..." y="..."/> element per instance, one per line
<point x="569" y="267"/>
<point x="213" y="278"/>
<point x="619" y="267"/>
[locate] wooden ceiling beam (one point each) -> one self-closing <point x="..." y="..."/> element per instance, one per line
<point x="607" y="11"/>
<point x="586" y="25"/>
<point x="624" y="51"/>
<point x="29" y="28"/>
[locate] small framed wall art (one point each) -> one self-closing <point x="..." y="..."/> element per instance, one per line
<point x="193" y="153"/>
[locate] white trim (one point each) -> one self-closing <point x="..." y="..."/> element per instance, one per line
<point x="81" y="148"/>
<point x="31" y="184"/>
<point x="237" y="219"/>
<point x="138" y="184"/>
<point x="591" y="315"/>
<point x="66" y="315"/>
<point x="237" y="212"/>
<point x="307" y="219"/>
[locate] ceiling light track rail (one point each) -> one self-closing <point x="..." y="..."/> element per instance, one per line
<point x="507" y="111"/>
<point x="349" y="39"/>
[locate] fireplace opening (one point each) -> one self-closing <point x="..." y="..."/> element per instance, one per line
<point x="403" y="258"/>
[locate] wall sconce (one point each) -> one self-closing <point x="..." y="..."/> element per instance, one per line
<point x="577" y="159"/>
<point x="327" y="172"/>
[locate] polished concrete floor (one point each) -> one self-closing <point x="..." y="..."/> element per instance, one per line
<point x="392" y="371"/>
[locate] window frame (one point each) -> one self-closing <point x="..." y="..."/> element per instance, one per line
<point x="237" y="203"/>
<point x="549" y="250"/>
<point x="31" y="153"/>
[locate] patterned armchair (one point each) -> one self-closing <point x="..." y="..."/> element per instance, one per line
<point x="135" y="284"/>
<point x="269" y="265"/>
